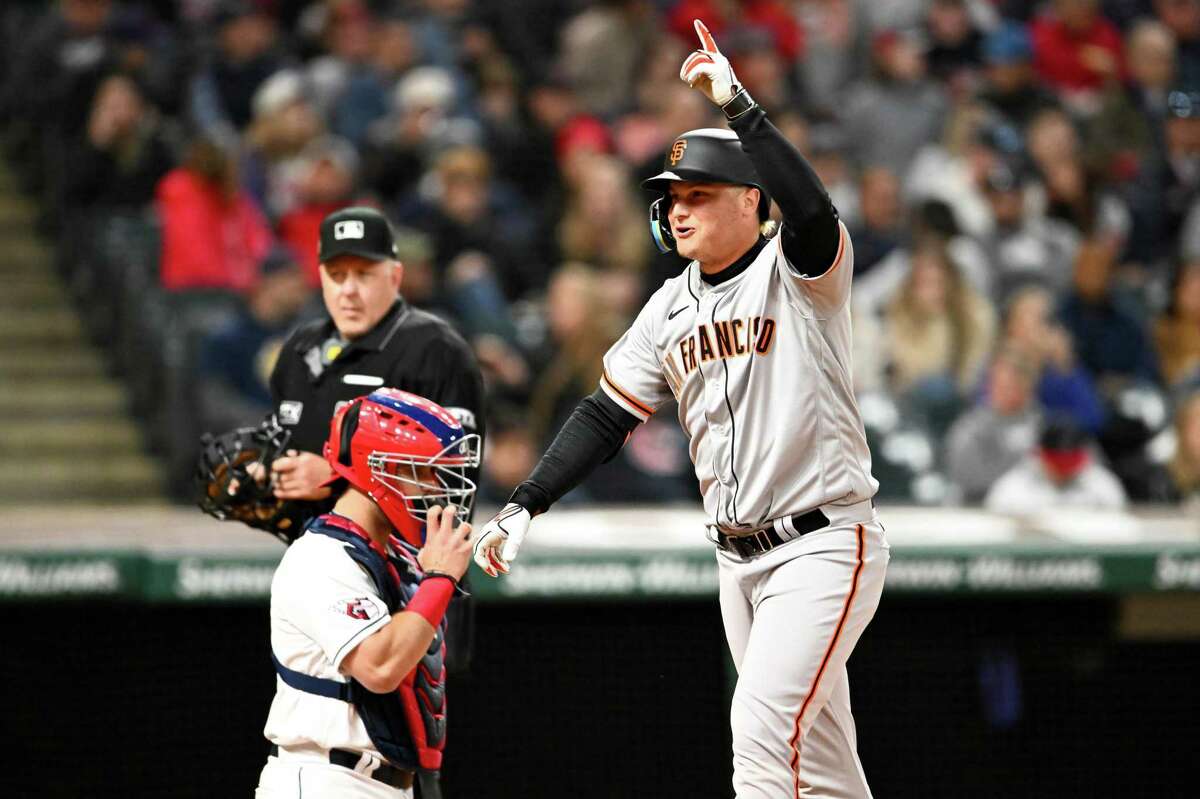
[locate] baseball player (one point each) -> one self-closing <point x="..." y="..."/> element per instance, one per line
<point x="357" y="613"/>
<point x="753" y="342"/>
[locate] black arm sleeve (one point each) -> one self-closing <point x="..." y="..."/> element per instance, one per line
<point x="593" y="435"/>
<point x="810" y="222"/>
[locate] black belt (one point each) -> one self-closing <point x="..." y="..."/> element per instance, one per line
<point x="388" y="775"/>
<point x="768" y="538"/>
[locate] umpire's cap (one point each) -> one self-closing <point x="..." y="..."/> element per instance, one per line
<point x="710" y="155"/>
<point x="356" y="231"/>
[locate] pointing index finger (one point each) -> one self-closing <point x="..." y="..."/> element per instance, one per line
<point x="706" y="40"/>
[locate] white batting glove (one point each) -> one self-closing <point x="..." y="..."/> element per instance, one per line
<point x="500" y="539"/>
<point x="709" y="71"/>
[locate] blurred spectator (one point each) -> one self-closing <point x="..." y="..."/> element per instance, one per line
<point x="1112" y="342"/>
<point x="826" y="154"/>
<point x="1061" y="473"/>
<point x="346" y="39"/>
<point x="235" y="361"/>
<point x="367" y="57"/>
<point x="1063" y="386"/>
<point x="464" y="211"/>
<point x="1073" y="194"/>
<point x="604" y="225"/>
<point x="124" y="152"/>
<point x="213" y="235"/>
<point x="1010" y="85"/>
<point x="1077" y="51"/>
<point x="414" y="251"/>
<point x="836" y="52"/>
<point x="325" y="183"/>
<point x="1168" y="189"/>
<point x="223" y="89"/>
<point x="53" y="76"/>
<point x="1182" y="17"/>
<point x="1177" y="329"/>
<point x="899" y="99"/>
<point x="991" y="438"/>
<point x="933" y="219"/>
<point x="504" y="131"/>
<point x="422" y="121"/>
<point x="937" y="332"/>
<point x="59" y="64"/>
<point x="882" y="226"/>
<point x="1023" y="246"/>
<point x="1184" y="467"/>
<point x="952" y="170"/>
<point x="954" y="53"/>
<point x="614" y="34"/>
<point x="1126" y="136"/>
<point x="285" y="124"/>
<point x="581" y="329"/>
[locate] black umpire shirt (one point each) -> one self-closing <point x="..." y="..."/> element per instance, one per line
<point x="409" y="349"/>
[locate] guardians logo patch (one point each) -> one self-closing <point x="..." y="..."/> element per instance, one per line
<point x="360" y="607"/>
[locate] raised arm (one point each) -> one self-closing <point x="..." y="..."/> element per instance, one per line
<point x="811" y="236"/>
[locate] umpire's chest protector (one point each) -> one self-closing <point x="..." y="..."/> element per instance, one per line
<point x="407" y="726"/>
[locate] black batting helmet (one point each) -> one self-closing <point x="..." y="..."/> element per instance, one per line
<point x="711" y="155"/>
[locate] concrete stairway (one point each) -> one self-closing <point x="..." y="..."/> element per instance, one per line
<point x="65" y="432"/>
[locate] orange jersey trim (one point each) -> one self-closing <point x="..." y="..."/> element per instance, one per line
<point x="837" y="260"/>
<point x="625" y="395"/>
<point x="837" y="634"/>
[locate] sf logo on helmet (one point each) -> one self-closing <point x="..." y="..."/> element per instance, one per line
<point x="677" y="151"/>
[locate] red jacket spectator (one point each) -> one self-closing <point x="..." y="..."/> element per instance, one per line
<point x="209" y="239"/>
<point x="1076" y="51"/>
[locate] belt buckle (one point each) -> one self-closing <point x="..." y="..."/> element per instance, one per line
<point x="763" y="539"/>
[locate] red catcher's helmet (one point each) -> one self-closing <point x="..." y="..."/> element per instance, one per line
<point x="407" y="454"/>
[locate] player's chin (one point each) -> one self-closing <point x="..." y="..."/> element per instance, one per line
<point x="688" y="246"/>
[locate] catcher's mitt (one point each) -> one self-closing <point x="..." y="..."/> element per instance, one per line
<point x="234" y="483"/>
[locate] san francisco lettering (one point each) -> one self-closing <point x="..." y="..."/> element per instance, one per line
<point x="726" y="338"/>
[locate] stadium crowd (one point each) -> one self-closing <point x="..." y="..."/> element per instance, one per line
<point x="1021" y="181"/>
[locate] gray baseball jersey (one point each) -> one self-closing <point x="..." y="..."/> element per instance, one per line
<point x="760" y="367"/>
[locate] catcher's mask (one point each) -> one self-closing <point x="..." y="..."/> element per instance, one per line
<point x="708" y="155"/>
<point x="407" y="454"/>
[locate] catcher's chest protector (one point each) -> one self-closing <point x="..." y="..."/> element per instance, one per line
<point x="408" y="726"/>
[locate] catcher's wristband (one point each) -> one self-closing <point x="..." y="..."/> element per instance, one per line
<point x="740" y="103"/>
<point x="432" y="598"/>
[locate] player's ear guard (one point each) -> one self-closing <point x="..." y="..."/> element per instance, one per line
<point x="660" y="226"/>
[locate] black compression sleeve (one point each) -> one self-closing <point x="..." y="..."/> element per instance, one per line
<point x="593" y="435"/>
<point x="810" y="228"/>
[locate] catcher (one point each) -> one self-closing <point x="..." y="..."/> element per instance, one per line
<point x="358" y="614"/>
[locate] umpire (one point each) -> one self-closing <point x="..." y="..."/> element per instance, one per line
<point x="371" y="338"/>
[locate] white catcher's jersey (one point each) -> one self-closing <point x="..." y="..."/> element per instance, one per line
<point x="760" y="366"/>
<point x="323" y="605"/>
